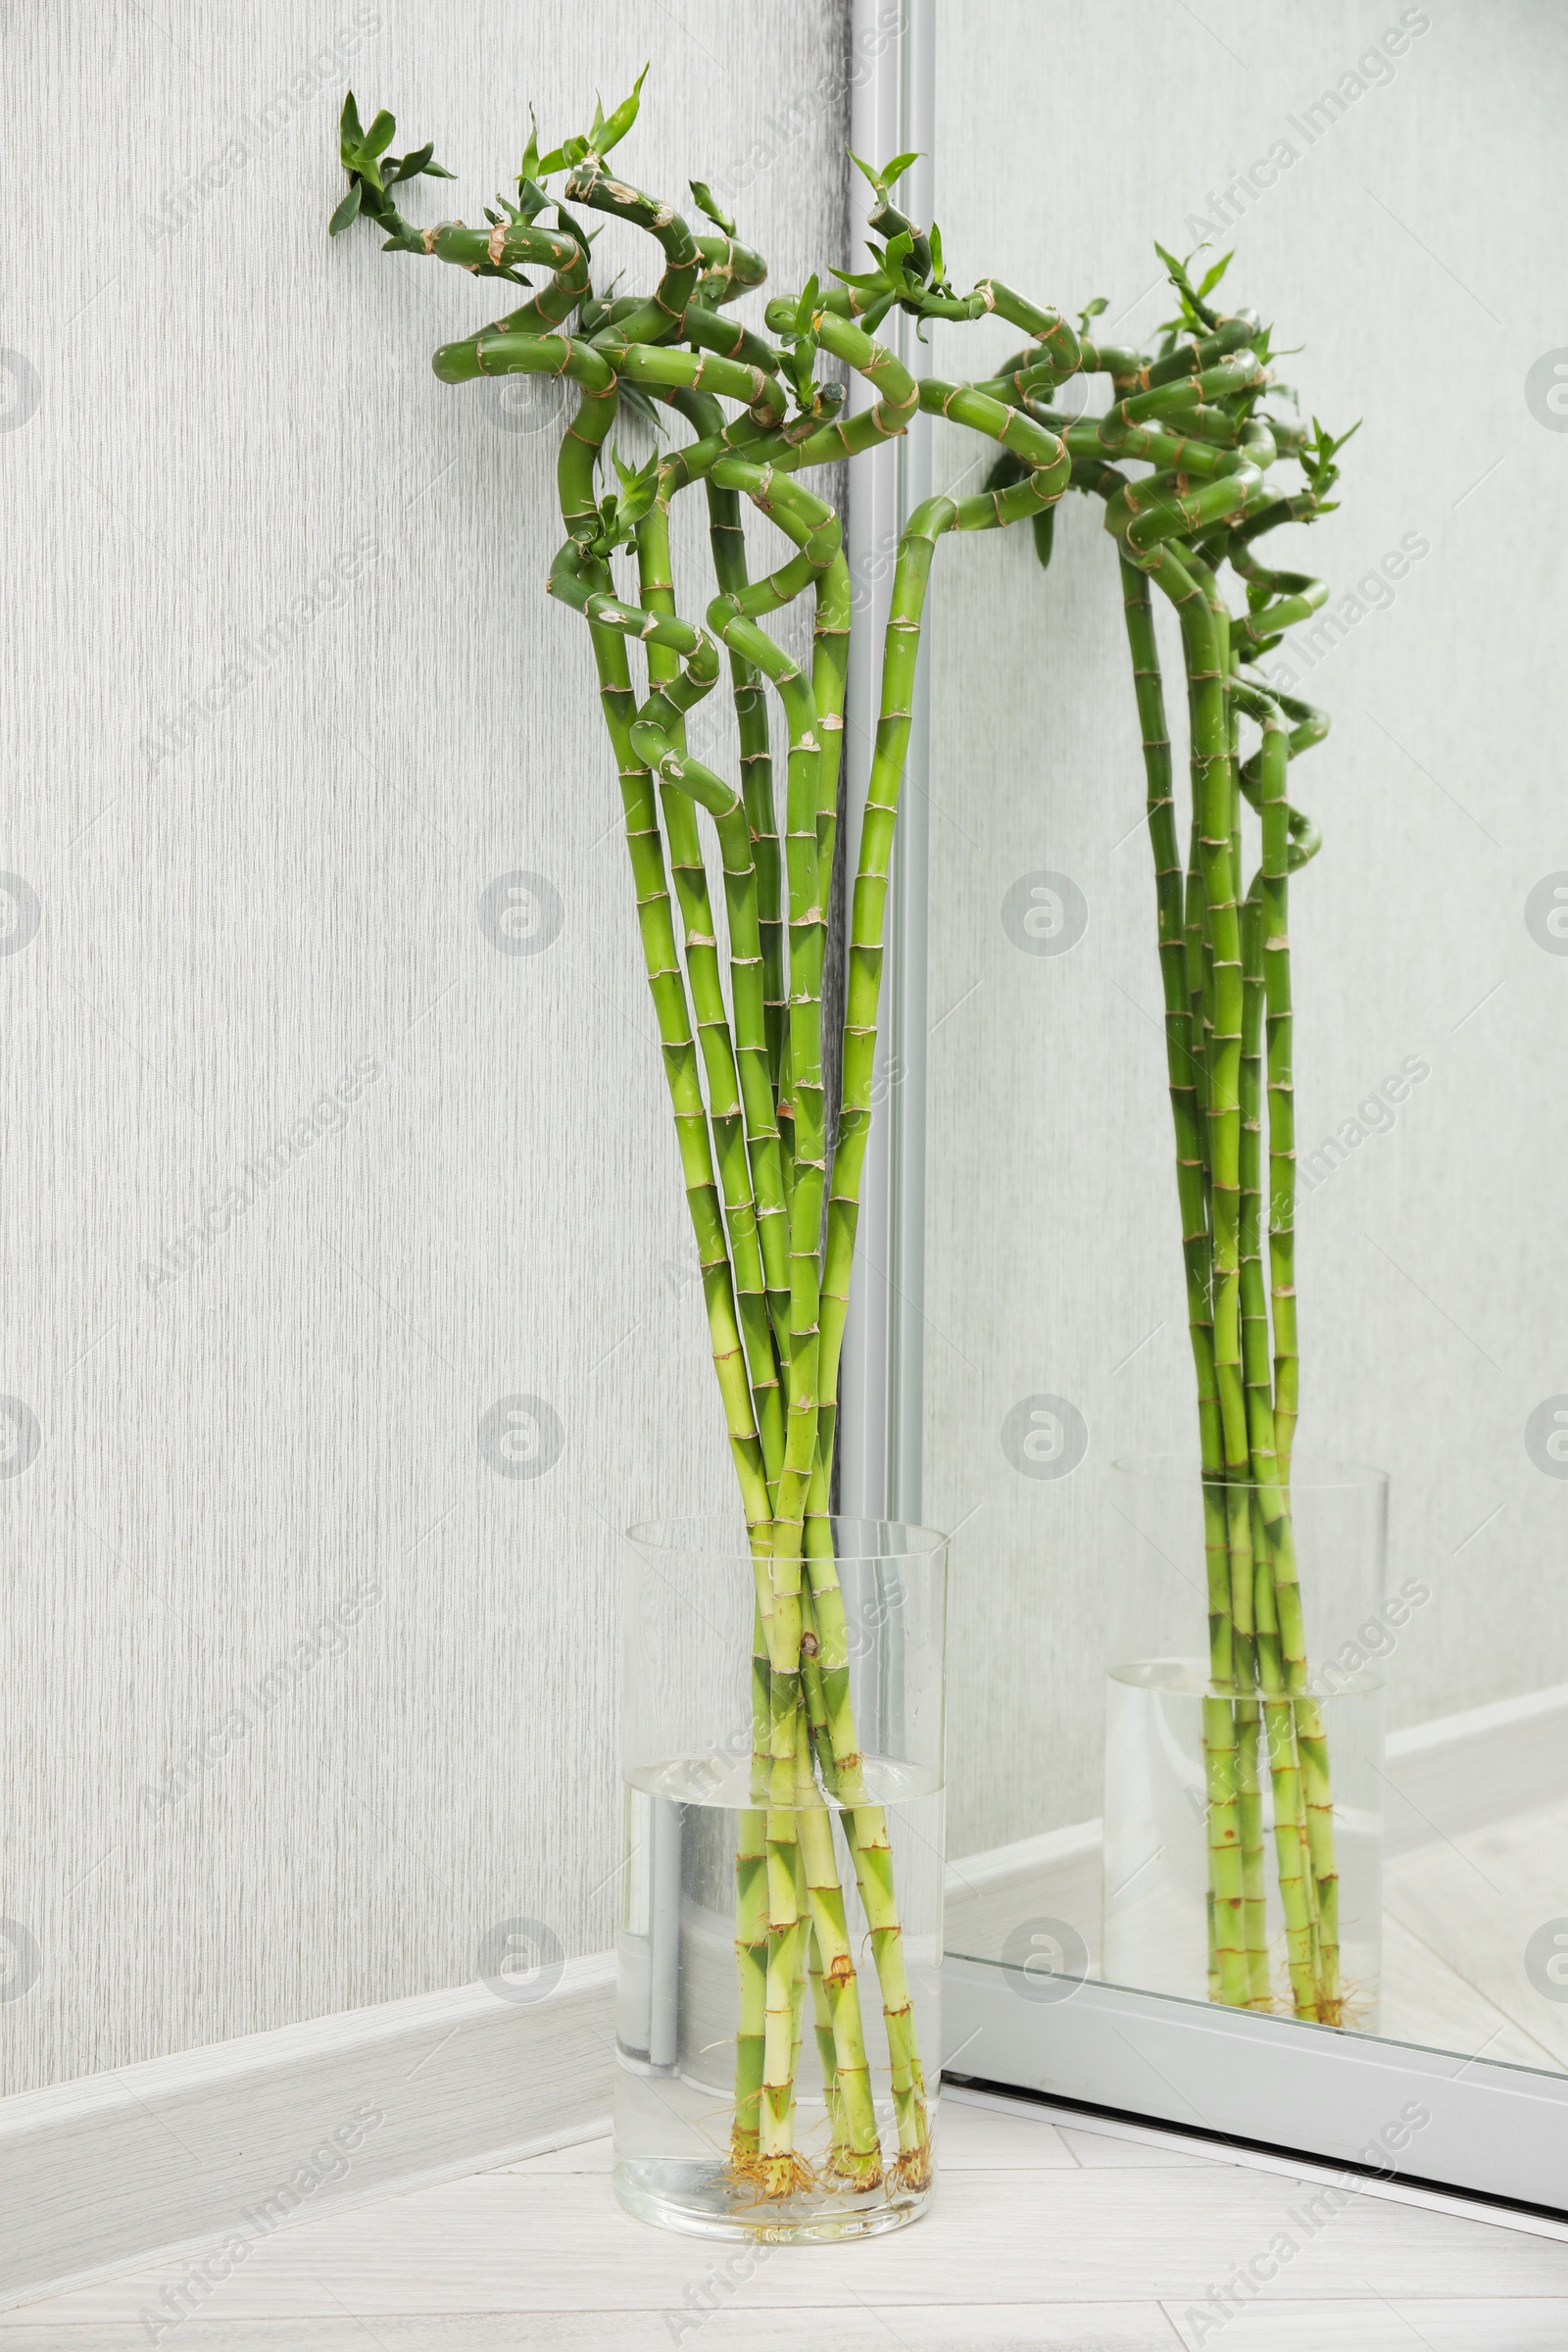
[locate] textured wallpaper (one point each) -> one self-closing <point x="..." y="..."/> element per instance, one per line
<point x="1389" y="205"/>
<point x="349" y="1301"/>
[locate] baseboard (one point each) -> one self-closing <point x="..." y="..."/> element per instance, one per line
<point x="1454" y="1774"/>
<point x="1059" y="1872"/>
<point x="1467" y="1772"/>
<point x="253" y="2135"/>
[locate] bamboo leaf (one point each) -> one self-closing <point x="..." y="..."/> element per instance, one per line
<point x="622" y="120"/>
<point x="412" y="164"/>
<point x="346" y="211"/>
<point x="574" y="229"/>
<point x="1216" y="273"/>
<point x="705" y="203"/>
<point x="636" y="403"/>
<point x="638" y="494"/>
<point x="868" y="169"/>
<point x="891" y="173"/>
<point x="378" y="138"/>
<point x="350" y="136"/>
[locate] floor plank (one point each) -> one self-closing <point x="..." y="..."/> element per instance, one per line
<point x="1427" y="2003"/>
<point x="1498" y="2325"/>
<point x="970" y="2137"/>
<point x="1476" y="1901"/>
<point x="1097" y="2148"/>
<point x="856" y="2328"/>
<point x="588" y="2156"/>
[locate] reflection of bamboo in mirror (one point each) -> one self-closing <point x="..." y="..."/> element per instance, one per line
<point x="1191" y="413"/>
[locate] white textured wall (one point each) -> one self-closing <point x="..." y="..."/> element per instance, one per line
<point x="1411" y="249"/>
<point x="228" y="1457"/>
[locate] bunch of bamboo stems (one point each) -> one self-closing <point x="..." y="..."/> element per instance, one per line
<point x="771" y="1167"/>
<point x="1191" y="413"/>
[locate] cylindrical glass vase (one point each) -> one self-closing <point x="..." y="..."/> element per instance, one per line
<point x="778" y="2002"/>
<point x="1244" y="1739"/>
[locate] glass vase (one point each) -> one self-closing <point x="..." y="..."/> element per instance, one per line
<point x="1244" y="1787"/>
<point x="778" y="2003"/>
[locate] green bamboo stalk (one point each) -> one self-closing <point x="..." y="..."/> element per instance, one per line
<point x="662" y="315"/>
<point x="827" y="2058"/>
<point x="779" y="2166"/>
<point x="1317" y="1796"/>
<point x="679" y="773"/>
<point x="1312" y="1742"/>
<point x="1269" y="962"/>
<point x="727" y="544"/>
<point x="751" y="1952"/>
<point x="1310" y="727"/>
<point x="1249" y="1823"/>
<point x="1226" y="1877"/>
<point x="1205" y="655"/>
<point x="856" y="2152"/>
<point x="1230" y="1805"/>
<point x="1183" y="1073"/>
<point x="1295" y="1877"/>
<point x="727" y="1120"/>
<point x="1256" y="1380"/>
<point x="577" y="580"/>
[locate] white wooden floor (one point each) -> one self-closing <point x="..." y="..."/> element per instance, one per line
<point x="1044" y="2237"/>
<point x="1458" y="1919"/>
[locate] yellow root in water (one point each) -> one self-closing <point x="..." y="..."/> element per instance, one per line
<point x="773" y="2176"/>
<point x="860" y="2172"/>
<point x="912" y="2169"/>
